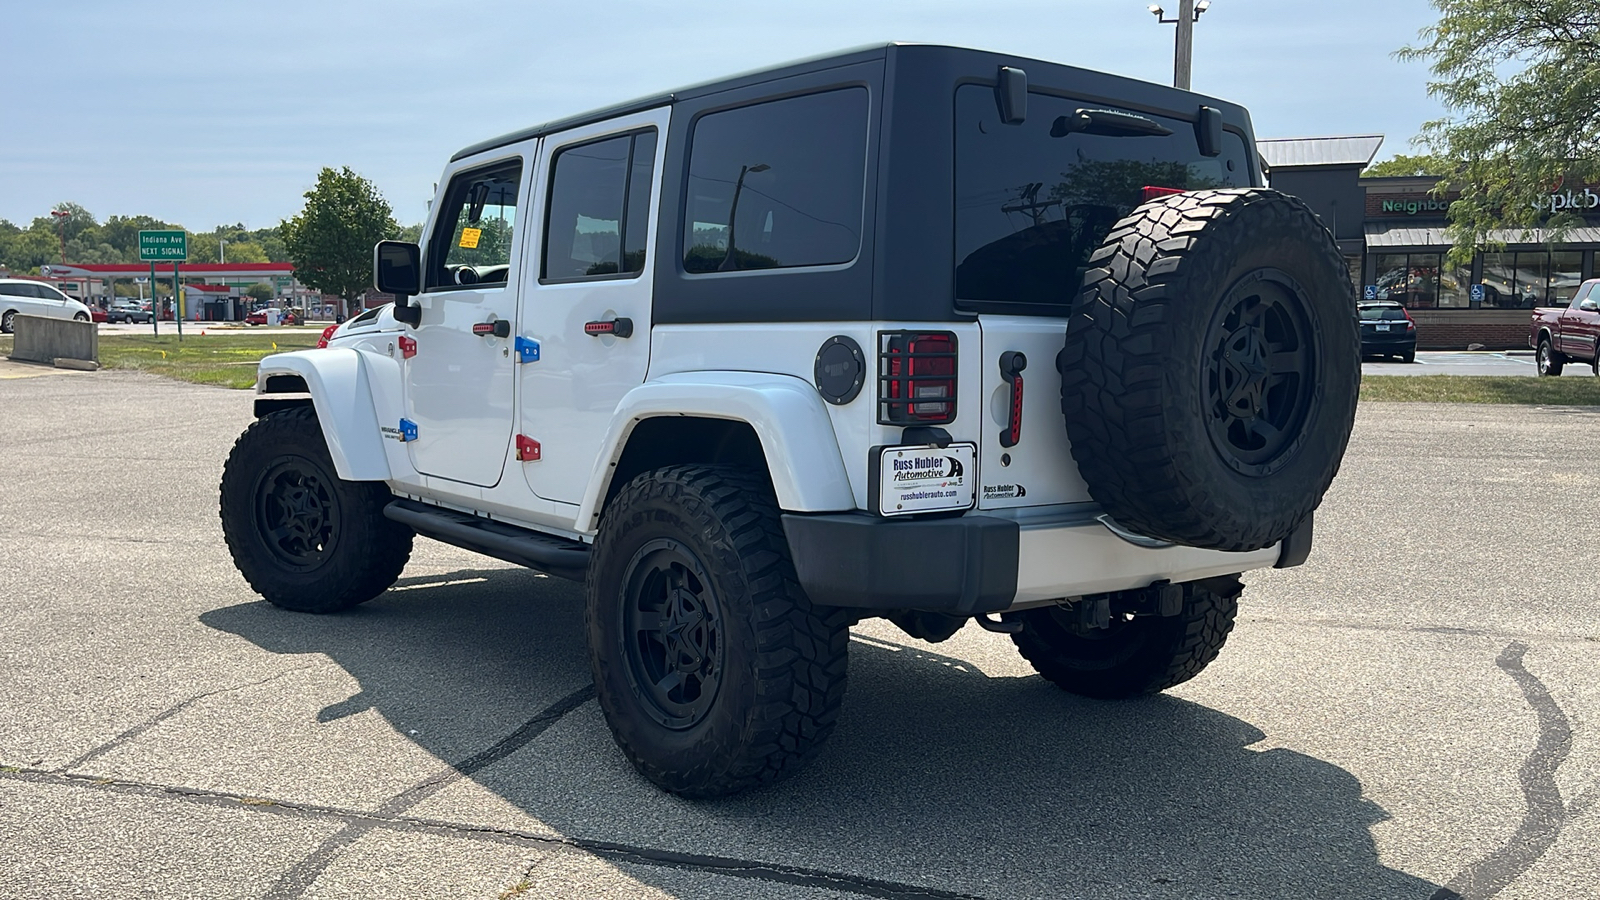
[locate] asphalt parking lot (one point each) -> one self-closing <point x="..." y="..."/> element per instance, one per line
<point x="1410" y="715"/>
<point x="1478" y="362"/>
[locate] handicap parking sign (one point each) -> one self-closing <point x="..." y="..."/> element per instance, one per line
<point x="1371" y="292"/>
<point x="1477" y="293"/>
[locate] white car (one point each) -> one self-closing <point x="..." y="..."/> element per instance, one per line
<point x="19" y="296"/>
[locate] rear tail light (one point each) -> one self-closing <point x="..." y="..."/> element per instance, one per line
<point x="1151" y="192"/>
<point x="327" y="335"/>
<point x="1411" y="324"/>
<point x="916" y="378"/>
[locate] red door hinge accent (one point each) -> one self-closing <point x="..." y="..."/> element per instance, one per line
<point x="408" y="346"/>
<point x="527" y="449"/>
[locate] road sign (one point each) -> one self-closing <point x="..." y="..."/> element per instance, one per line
<point x="1371" y="293"/>
<point x="1477" y="293"/>
<point x="163" y="246"/>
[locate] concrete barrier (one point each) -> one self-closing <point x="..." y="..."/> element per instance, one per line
<point x="41" y="339"/>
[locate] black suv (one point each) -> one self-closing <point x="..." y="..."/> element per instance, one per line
<point x="1387" y="330"/>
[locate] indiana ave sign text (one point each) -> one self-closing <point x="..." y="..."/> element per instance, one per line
<point x="163" y="246"/>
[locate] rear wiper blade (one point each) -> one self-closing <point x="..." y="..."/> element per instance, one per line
<point x="1109" y="123"/>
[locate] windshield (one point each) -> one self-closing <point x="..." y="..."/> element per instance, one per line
<point x="1032" y="207"/>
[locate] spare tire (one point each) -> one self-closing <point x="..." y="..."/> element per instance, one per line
<point x="1211" y="368"/>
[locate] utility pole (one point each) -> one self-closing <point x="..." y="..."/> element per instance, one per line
<point x="1183" y="50"/>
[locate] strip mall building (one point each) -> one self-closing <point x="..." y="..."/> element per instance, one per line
<point x="1392" y="234"/>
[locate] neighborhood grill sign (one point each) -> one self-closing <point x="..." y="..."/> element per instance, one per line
<point x="1581" y="200"/>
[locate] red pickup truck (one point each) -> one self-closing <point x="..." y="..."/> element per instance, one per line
<point x="1563" y="334"/>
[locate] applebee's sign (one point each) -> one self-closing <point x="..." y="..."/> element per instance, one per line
<point x="1568" y="199"/>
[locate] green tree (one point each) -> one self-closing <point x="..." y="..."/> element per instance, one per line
<point x="1520" y="82"/>
<point x="1402" y="165"/>
<point x="260" y="291"/>
<point x="330" y="242"/>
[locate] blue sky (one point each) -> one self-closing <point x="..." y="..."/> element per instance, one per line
<point x="220" y="112"/>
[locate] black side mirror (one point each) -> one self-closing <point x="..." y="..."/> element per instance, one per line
<point x="397" y="270"/>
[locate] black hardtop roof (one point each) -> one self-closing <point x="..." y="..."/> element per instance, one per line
<point x="836" y="59"/>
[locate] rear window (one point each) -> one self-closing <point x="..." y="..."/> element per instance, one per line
<point x="1382" y="314"/>
<point x="1031" y="208"/>
<point x="777" y="184"/>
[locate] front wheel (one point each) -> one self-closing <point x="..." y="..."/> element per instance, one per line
<point x="303" y="538"/>
<point x="8" y="321"/>
<point x="714" y="671"/>
<point x="1136" y="654"/>
<point x="80" y="317"/>
<point x="1549" y="361"/>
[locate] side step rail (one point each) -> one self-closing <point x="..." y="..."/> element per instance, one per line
<point x="557" y="556"/>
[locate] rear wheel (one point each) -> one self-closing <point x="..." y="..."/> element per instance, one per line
<point x="714" y="670"/>
<point x="303" y="538"/>
<point x="1136" y="654"/>
<point x="1548" y="360"/>
<point x="1410" y="356"/>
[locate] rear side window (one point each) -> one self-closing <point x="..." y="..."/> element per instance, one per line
<point x="777" y="184"/>
<point x="15" y="290"/>
<point x="1035" y="199"/>
<point x="471" y="241"/>
<point x="599" y="208"/>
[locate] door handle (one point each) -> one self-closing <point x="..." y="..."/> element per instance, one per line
<point x="619" y="327"/>
<point x="498" y="328"/>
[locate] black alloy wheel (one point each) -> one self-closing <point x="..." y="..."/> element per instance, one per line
<point x="1261" y="373"/>
<point x="296" y="514"/>
<point x="715" y="672"/>
<point x="302" y="537"/>
<point x="672" y="633"/>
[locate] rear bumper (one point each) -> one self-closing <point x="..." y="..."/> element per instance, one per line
<point x="1388" y="343"/>
<point x="987" y="563"/>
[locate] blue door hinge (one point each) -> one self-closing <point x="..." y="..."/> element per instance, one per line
<point x="527" y="350"/>
<point x="408" y="430"/>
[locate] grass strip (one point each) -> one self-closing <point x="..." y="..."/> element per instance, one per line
<point x="1508" y="389"/>
<point x="228" y="360"/>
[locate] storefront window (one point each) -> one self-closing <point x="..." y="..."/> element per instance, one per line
<point x="1414" y="279"/>
<point x="1566" y="273"/>
<point x="1455" y="287"/>
<point x="1391" y="276"/>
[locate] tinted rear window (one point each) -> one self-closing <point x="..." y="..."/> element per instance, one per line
<point x="1382" y="314"/>
<point x="1031" y="208"/>
<point x="788" y="175"/>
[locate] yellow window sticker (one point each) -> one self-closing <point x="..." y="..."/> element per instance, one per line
<point x="469" y="238"/>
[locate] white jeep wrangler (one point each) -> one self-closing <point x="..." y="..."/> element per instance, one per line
<point x="749" y="358"/>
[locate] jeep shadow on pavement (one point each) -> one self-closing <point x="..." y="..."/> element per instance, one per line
<point x="938" y="778"/>
<point x="741" y="359"/>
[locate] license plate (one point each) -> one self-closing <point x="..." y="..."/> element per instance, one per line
<point x="927" y="479"/>
<point x="1383" y="328"/>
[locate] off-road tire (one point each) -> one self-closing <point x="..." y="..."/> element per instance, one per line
<point x="357" y="552"/>
<point x="1202" y="316"/>
<point x="1546" y="358"/>
<point x="1135" y="656"/>
<point x="780" y="676"/>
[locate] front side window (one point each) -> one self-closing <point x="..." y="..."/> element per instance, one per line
<point x="1035" y="199"/>
<point x="777" y="184"/>
<point x="598" y="224"/>
<point x="472" y="239"/>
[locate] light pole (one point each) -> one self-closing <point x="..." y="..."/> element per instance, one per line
<point x="222" y="251"/>
<point x="1183" y="51"/>
<point x="733" y="211"/>
<point x="61" y="217"/>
